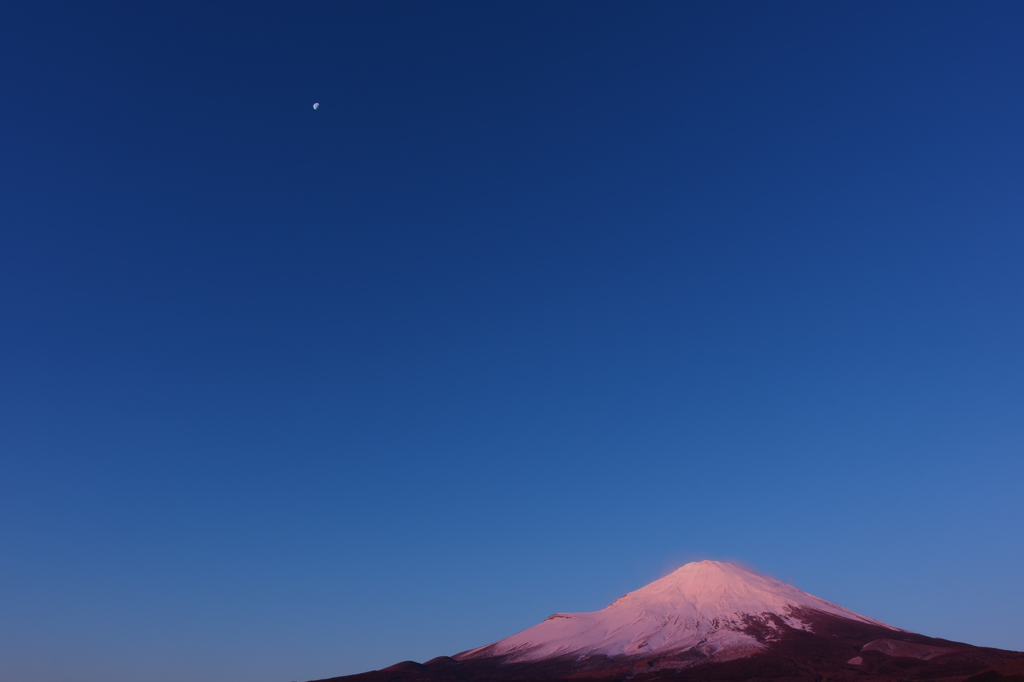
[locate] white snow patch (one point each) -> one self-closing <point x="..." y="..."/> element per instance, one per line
<point x="704" y="605"/>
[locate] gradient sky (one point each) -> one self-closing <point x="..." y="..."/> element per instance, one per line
<point x="545" y="300"/>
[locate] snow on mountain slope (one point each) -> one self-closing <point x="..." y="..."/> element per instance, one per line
<point x="704" y="605"/>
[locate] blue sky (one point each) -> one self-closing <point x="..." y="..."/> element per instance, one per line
<point x="543" y="301"/>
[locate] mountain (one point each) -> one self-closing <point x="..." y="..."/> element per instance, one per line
<point x="709" y="606"/>
<point x="712" y="621"/>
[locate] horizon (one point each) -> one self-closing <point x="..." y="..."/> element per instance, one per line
<point x="538" y="301"/>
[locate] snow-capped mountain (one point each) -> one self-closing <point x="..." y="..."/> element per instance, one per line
<point x="708" y="605"/>
<point x="713" y="621"/>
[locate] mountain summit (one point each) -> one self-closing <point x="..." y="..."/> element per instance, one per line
<point x="711" y="621"/>
<point x="708" y="605"/>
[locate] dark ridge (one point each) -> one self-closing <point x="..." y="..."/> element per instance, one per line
<point x="410" y="666"/>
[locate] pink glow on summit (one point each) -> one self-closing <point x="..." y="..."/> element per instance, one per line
<point x="703" y="605"/>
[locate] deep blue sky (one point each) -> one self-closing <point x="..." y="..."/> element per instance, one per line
<point x="543" y="301"/>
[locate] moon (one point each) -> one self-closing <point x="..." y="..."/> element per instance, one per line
<point x="315" y="105"/>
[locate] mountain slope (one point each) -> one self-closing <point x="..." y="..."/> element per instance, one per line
<point x="707" y="604"/>
<point x="709" y="622"/>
